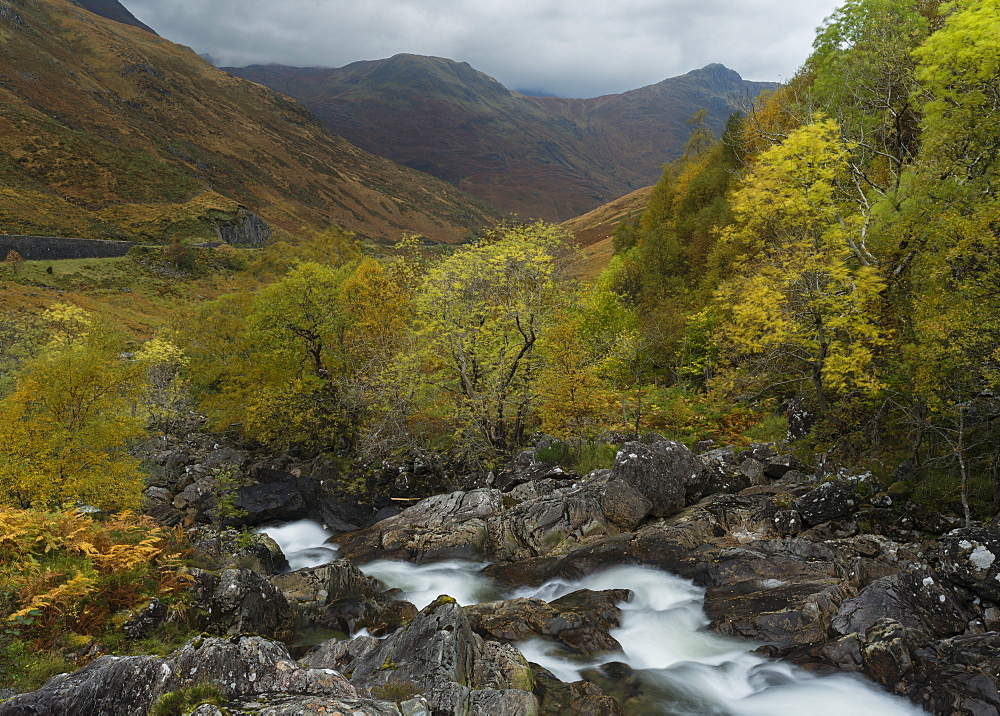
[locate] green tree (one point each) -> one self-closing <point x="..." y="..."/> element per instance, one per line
<point x="959" y="68"/>
<point x="806" y="311"/>
<point x="480" y="315"/>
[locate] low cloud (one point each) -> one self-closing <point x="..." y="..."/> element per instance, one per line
<point x="578" y="48"/>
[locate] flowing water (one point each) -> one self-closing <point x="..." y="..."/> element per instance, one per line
<point x="683" y="669"/>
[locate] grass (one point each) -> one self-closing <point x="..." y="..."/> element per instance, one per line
<point x="142" y="293"/>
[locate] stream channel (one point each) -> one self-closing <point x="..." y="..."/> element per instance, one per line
<point x="689" y="670"/>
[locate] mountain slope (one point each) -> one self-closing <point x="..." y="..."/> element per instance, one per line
<point x="109" y="131"/>
<point x="542" y="157"/>
<point x="114" y="10"/>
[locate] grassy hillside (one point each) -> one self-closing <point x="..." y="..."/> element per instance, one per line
<point x="107" y="131"/>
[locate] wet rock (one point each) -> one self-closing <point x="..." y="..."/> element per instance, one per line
<point x="886" y="653"/>
<point x="915" y="598"/>
<point x="319" y="586"/>
<point x="441" y="527"/>
<point x="844" y="653"/>
<point x="666" y="473"/>
<point x="828" y="501"/>
<point x="970" y="557"/>
<point x="579" y="698"/>
<point x="581" y="620"/>
<point x="958" y="675"/>
<point x="270" y="502"/>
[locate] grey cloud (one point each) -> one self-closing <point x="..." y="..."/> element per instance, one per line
<point x="577" y="48"/>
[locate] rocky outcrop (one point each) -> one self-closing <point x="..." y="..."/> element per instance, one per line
<point x="443" y="658"/>
<point x="246" y="666"/>
<point x="439" y="527"/>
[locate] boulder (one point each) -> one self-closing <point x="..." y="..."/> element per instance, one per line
<point x="885" y="653"/>
<point x="231" y="549"/>
<point x="958" y="675"/>
<point x="828" y="501"/>
<point x="916" y="597"/>
<point x="970" y="557"/>
<point x="527" y="468"/>
<point x="441" y="527"/>
<point x="243" y="602"/>
<point x="582" y="620"/>
<point x="270" y="502"/>
<point x="724" y="473"/>
<point x="666" y="473"/>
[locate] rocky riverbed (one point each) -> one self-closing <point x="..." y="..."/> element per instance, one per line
<point x="521" y="596"/>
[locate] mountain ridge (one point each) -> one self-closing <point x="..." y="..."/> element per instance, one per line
<point x="539" y="157"/>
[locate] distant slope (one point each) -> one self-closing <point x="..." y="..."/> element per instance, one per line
<point x="114" y="10"/>
<point x="541" y="157"/>
<point x="595" y="230"/>
<point x="108" y="131"/>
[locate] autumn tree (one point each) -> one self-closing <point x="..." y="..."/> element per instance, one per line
<point x="805" y="312"/>
<point x="480" y="315"/>
<point x="69" y="422"/>
<point x="14" y="260"/>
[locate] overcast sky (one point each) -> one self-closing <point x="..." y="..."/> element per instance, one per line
<point x="570" y="48"/>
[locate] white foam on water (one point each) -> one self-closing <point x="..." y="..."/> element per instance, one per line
<point x="304" y="543"/>
<point x="422" y="584"/>
<point x="662" y="634"/>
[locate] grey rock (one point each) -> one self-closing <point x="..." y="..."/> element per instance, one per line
<point x="885" y="653"/>
<point x="440" y="654"/>
<point x="122" y="686"/>
<point x="787" y="523"/>
<point x="270" y="502"/>
<point x="828" y="501"/>
<point x="145" y="620"/>
<point x="915" y="598"/>
<point x="666" y="473"/>
<point x="971" y="557"/>
<point x="244" y="602"/>
<point x="444" y="526"/>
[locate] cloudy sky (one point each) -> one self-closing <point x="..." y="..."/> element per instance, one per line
<point x="570" y="48"/>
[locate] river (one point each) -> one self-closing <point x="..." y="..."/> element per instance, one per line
<point x="684" y="669"/>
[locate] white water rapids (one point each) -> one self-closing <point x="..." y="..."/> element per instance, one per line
<point x="695" y="672"/>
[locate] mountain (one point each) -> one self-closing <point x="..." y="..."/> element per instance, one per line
<point x="114" y="10"/>
<point x="544" y="157"/>
<point x="108" y="131"/>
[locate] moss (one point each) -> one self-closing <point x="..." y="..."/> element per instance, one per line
<point x="440" y="601"/>
<point x="186" y="699"/>
<point x="388" y="664"/>
<point x="397" y="691"/>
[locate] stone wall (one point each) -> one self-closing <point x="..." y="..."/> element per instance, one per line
<point x="41" y="248"/>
